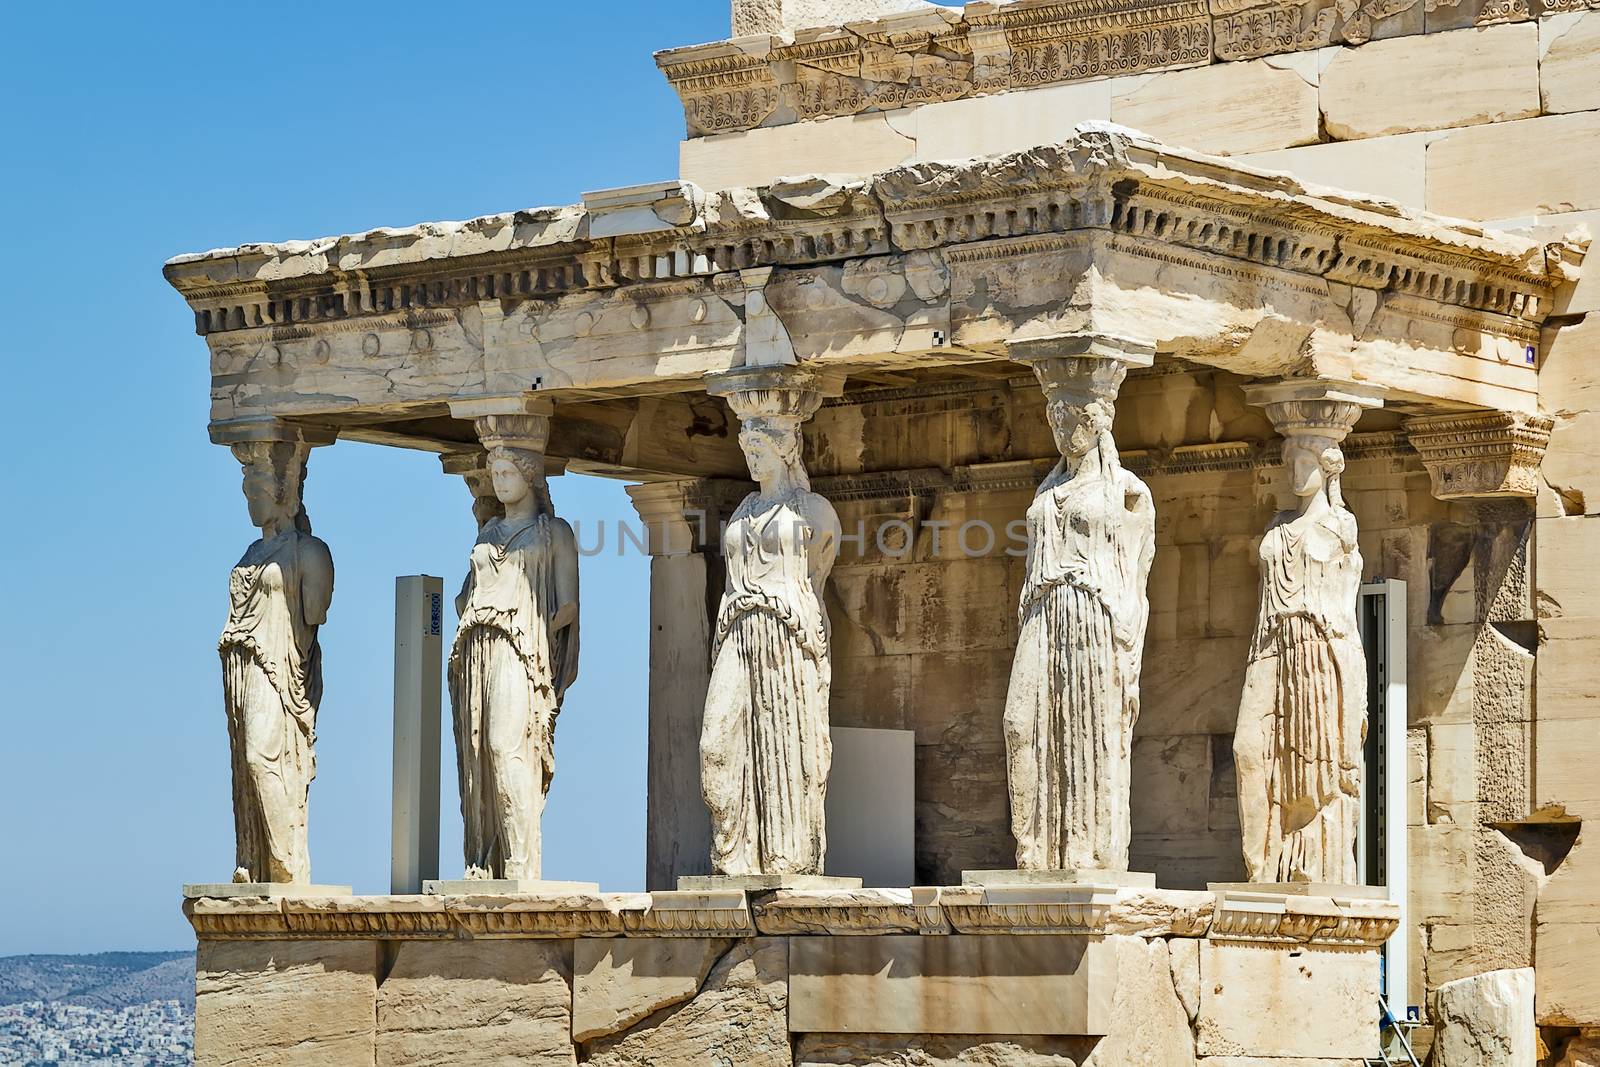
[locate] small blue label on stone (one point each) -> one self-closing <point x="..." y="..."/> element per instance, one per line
<point x="435" y="614"/>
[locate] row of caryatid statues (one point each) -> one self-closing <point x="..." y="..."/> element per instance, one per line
<point x="765" y="751"/>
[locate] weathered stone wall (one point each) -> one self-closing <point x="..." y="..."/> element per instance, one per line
<point x="1481" y="110"/>
<point x="924" y="634"/>
<point x="1085" y="979"/>
<point x="1420" y="117"/>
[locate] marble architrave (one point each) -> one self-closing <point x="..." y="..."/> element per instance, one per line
<point x="764" y="745"/>
<point x="1303" y="714"/>
<point x="1073" y="696"/>
<point x="514" y="655"/>
<point x="278" y="596"/>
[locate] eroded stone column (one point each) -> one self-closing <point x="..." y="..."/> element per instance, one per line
<point x="516" y="646"/>
<point x="1073" y="697"/>
<point x="764" y="745"/>
<point x="278" y="596"/>
<point x="683" y="521"/>
<point x="1303" y="715"/>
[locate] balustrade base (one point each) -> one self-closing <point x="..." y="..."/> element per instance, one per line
<point x="1079" y="877"/>
<point x="263" y="889"/>
<point x="793" y="978"/>
<point x="498" y="887"/>
<point x="1332" y="890"/>
<point x="763" y="883"/>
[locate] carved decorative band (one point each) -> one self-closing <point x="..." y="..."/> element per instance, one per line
<point x="1482" y="453"/>
<point x="423" y="918"/>
<point x="1103" y="191"/>
<point x="894" y="64"/>
<point x="1262" y="918"/>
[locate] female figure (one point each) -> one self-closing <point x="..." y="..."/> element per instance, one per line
<point x="1074" y="692"/>
<point x="278" y="595"/>
<point x="1302" y="719"/>
<point x="764" y="744"/>
<point x="515" y="653"/>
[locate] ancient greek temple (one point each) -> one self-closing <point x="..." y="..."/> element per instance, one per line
<point x="1179" y="498"/>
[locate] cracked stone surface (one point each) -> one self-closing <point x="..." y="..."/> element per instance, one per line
<point x="739" y="1019"/>
<point x="1486" y="1021"/>
<point x="619" y="981"/>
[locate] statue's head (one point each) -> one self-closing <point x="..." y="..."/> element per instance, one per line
<point x="772" y="447"/>
<point x="771" y="412"/>
<point x="1081" y="394"/>
<point x="1314" y="462"/>
<point x="1076" y="425"/>
<point x="515" y="473"/>
<point x="274" y="472"/>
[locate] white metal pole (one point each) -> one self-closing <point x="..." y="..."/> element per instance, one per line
<point x="1387" y="645"/>
<point x="1397" y="952"/>
<point x="418" y="654"/>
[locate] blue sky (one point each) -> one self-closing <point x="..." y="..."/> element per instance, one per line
<point x="135" y="132"/>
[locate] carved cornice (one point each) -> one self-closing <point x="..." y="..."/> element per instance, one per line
<point x="1329" y="921"/>
<point x="1481" y="453"/>
<point x="995" y="47"/>
<point x="1106" y="185"/>
<point x="921" y="58"/>
<point x="1091" y="911"/>
<point x="412" y="918"/>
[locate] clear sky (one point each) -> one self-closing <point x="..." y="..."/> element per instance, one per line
<point x="131" y="133"/>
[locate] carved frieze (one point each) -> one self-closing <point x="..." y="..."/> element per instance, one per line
<point x="929" y="57"/>
<point x="1275" y="918"/>
<point x="724" y="88"/>
<point x="1481" y="453"/>
<point x="1248" y="29"/>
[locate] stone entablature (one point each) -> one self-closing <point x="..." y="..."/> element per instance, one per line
<point x="648" y="290"/>
<point x="942" y="54"/>
<point x="1087" y="910"/>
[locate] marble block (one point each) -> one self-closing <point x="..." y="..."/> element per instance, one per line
<point x="263" y="889"/>
<point x="911" y="984"/>
<point x="1304" y="889"/>
<point x="503" y="887"/>
<point x="763" y="883"/>
<point x="1076" y="878"/>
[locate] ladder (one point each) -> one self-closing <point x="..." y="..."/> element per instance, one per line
<point x="1401" y="1031"/>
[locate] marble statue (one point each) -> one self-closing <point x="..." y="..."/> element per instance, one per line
<point x="1074" y="691"/>
<point x="1303" y="714"/>
<point x="764" y="745"/>
<point x="514" y="655"/>
<point x="278" y="595"/>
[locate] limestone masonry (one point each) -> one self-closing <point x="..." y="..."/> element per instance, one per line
<point x="1258" y="331"/>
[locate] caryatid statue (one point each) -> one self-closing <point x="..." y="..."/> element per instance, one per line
<point x="764" y="745"/>
<point x="514" y="655"/>
<point x="1074" y="692"/>
<point x="278" y="595"/>
<point x="1303" y="715"/>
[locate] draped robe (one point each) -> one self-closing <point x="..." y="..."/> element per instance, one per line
<point x="764" y="745"/>
<point x="272" y="684"/>
<point x="1074" y="691"/>
<point x="508" y="672"/>
<point x="1305" y="704"/>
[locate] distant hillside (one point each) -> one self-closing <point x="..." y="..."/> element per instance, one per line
<point x="108" y="980"/>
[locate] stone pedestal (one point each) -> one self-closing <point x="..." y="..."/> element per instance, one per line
<point x="763" y="883"/>
<point x="437" y="887"/>
<point x="935" y="975"/>
<point x="263" y="889"/>
<point x="1332" y="890"/>
<point x="1081" y="877"/>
